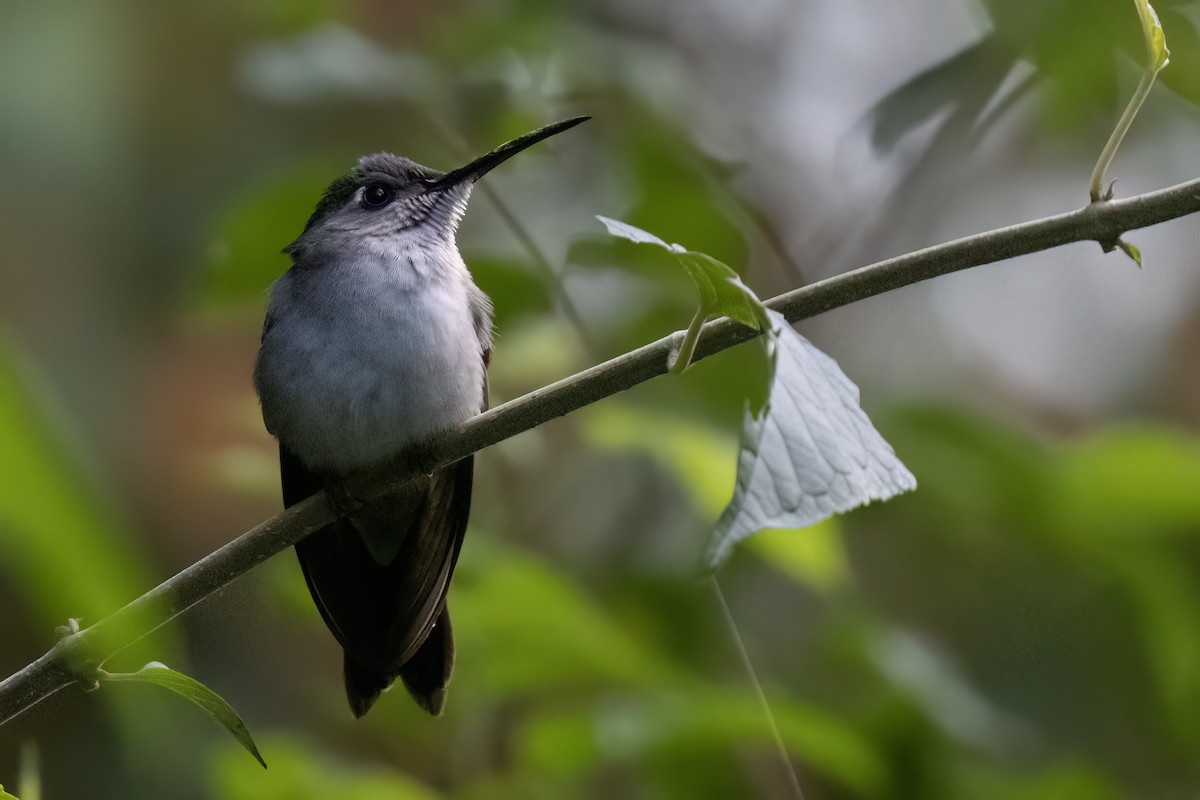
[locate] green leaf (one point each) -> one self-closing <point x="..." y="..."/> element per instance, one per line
<point x="1157" y="54"/>
<point x="721" y="290"/>
<point x="811" y="452"/>
<point x="1131" y="251"/>
<point x="817" y="453"/>
<point x="191" y="689"/>
<point x="6" y="796"/>
<point x="634" y="234"/>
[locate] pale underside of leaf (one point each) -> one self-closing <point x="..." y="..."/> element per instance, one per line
<point x="810" y="453"/>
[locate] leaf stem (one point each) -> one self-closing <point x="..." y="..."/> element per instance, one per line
<point x="1118" y="134"/>
<point x="682" y="358"/>
<point x="1157" y="57"/>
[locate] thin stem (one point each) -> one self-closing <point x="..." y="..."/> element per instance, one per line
<point x="680" y="360"/>
<point x="1118" y="134"/>
<point x="740" y="645"/>
<point x="76" y="655"/>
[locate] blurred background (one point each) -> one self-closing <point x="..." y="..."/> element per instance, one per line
<point x="1027" y="624"/>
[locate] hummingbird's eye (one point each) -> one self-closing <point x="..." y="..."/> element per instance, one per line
<point x="377" y="195"/>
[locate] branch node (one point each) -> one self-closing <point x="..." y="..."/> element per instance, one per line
<point x="70" y="629"/>
<point x="72" y="655"/>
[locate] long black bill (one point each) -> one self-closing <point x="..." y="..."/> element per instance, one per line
<point x="485" y="164"/>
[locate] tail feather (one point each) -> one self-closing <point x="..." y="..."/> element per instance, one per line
<point x="390" y="619"/>
<point x="363" y="685"/>
<point x="425" y="675"/>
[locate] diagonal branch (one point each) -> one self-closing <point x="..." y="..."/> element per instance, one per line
<point x="77" y="654"/>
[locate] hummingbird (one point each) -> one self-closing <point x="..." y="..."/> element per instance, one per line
<point x="375" y="339"/>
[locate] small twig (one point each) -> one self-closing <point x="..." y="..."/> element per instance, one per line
<point x="740" y="645"/>
<point x="78" y="654"/>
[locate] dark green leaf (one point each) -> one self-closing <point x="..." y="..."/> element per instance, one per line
<point x="191" y="689"/>
<point x="721" y="290"/>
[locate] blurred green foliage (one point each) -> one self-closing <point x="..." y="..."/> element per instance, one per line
<point x="75" y="559"/>
<point x="1025" y="625"/>
<point x="1050" y="50"/>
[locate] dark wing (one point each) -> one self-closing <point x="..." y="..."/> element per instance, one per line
<point x="383" y="614"/>
<point x="391" y="618"/>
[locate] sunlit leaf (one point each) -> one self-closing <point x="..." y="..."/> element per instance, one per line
<point x="1132" y="251"/>
<point x="810" y="452"/>
<point x="1157" y="53"/>
<point x="6" y="796"/>
<point x="193" y="690"/>
<point x="723" y="289"/>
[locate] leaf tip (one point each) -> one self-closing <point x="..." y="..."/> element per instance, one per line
<point x="1132" y="251"/>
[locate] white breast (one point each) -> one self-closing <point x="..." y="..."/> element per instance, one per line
<point x="364" y="357"/>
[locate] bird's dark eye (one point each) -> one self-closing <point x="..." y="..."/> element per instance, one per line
<point x="377" y="195"/>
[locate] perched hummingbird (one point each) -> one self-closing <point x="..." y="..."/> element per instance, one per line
<point x="375" y="339"/>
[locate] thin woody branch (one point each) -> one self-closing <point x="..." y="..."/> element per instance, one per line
<point x="77" y="654"/>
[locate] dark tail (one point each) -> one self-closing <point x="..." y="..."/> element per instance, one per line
<point x="389" y="617"/>
<point x="425" y="675"/>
